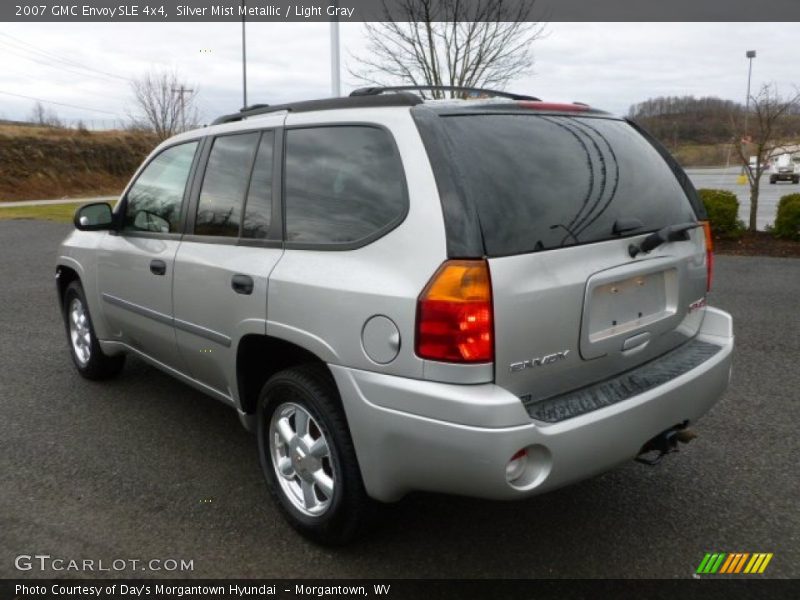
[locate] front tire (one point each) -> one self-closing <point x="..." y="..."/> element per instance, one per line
<point x="308" y="458"/>
<point x="84" y="348"/>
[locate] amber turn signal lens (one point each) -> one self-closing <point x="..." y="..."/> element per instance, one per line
<point x="709" y="253"/>
<point x="454" y="314"/>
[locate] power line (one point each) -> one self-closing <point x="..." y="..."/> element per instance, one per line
<point x="40" y="61"/>
<point x="95" y="110"/>
<point x="18" y="43"/>
<point x="70" y="86"/>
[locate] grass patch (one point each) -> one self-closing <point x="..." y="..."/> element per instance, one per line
<point x="62" y="213"/>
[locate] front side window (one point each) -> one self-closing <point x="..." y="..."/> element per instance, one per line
<point x="153" y="202"/>
<point x="219" y="211"/>
<point x="342" y="184"/>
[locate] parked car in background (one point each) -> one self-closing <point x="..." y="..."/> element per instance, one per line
<point x="784" y="168"/>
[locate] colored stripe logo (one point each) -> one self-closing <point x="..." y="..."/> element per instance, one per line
<point x="734" y="563"/>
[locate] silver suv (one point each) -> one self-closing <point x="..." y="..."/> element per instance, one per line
<point x="492" y="297"/>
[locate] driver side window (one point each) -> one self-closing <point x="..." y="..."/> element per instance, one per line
<point x="154" y="200"/>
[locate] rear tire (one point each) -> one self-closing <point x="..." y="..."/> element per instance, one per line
<point x="308" y="458"/>
<point x="84" y="348"/>
<point x="773" y="180"/>
<point x="795" y="179"/>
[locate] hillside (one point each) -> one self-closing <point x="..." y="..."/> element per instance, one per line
<point x="44" y="162"/>
<point x="700" y="131"/>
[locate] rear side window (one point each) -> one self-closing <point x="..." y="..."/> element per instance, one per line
<point x="539" y="182"/>
<point x="153" y="202"/>
<point x="225" y="182"/>
<point x="343" y="184"/>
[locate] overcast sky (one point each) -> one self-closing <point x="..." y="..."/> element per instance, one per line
<point x="608" y="65"/>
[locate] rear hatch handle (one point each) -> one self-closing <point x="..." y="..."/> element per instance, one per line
<point x="670" y="233"/>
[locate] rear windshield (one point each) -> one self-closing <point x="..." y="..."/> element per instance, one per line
<point x="539" y="182"/>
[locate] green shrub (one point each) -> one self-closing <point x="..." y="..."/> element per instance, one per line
<point x="722" y="207"/>
<point x="787" y="221"/>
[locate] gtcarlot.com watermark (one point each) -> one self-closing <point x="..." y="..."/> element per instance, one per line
<point x="46" y="562"/>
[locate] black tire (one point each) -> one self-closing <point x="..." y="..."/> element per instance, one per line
<point x="795" y="179"/>
<point x="773" y="180"/>
<point x="98" y="365"/>
<point x="312" y="388"/>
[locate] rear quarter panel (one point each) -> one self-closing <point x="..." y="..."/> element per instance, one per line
<point x="321" y="299"/>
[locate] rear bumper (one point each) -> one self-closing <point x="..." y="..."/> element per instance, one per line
<point x="420" y="435"/>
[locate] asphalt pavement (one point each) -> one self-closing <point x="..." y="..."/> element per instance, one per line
<point x="144" y="467"/>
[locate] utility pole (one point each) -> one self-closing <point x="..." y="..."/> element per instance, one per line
<point x="746" y="174"/>
<point x="336" y="89"/>
<point x="244" y="58"/>
<point x="751" y="54"/>
<point x="181" y="91"/>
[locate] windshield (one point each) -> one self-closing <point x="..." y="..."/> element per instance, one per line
<point x="539" y="182"/>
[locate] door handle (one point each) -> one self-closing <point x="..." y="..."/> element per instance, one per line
<point x="242" y="284"/>
<point x="158" y="267"/>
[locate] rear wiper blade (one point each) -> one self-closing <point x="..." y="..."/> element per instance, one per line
<point x="670" y="233"/>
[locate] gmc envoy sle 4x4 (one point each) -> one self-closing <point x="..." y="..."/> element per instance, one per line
<point x="492" y="297"/>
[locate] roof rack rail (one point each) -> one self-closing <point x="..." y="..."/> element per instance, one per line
<point x="375" y="91"/>
<point x="364" y="101"/>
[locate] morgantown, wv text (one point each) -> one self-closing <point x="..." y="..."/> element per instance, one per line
<point x="271" y="10"/>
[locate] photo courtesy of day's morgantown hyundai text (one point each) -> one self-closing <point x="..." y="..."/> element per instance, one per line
<point x="490" y="295"/>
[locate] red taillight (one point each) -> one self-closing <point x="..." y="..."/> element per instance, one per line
<point x="709" y="253"/>
<point x="454" y="314"/>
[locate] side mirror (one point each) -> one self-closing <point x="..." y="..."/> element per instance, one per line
<point x="94" y="217"/>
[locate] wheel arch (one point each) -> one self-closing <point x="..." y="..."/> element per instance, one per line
<point x="65" y="274"/>
<point x="259" y="357"/>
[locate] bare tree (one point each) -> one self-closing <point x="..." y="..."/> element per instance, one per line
<point x="165" y="104"/>
<point x="768" y="110"/>
<point x="45" y="117"/>
<point x="38" y="114"/>
<point x="475" y="43"/>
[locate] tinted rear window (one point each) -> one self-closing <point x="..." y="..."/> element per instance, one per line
<point x="539" y="182"/>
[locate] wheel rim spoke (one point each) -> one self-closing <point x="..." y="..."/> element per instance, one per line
<point x="285" y="467"/>
<point x="319" y="449"/>
<point x="301" y="422"/>
<point x="324" y="483"/>
<point x="285" y="431"/>
<point x="309" y="498"/>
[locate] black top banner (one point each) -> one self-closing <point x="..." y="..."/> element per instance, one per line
<point x="398" y="10"/>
